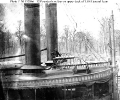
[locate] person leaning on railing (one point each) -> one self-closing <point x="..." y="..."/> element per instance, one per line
<point x="55" y="53"/>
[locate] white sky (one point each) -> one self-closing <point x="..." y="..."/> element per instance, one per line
<point x="85" y="14"/>
<point x="88" y="16"/>
<point x="13" y="13"/>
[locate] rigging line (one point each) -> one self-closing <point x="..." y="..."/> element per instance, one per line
<point x="84" y="60"/>
<point x="97" y="53"/>
<point x="110" y="47"/>
<point x="96" y="57"/>
<point x="66" y="13"/>
<point x="91" y="50"/>
<point x="94" y="48"/>
<point x="70" y="16"/>
<point x="92" y="53"/>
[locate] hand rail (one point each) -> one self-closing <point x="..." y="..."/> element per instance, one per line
<point x="59" y="81"/>
<point x="90" y="65"/>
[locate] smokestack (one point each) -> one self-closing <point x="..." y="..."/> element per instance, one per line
<point x="32" y="30"/>
<point x="51" y="29"/>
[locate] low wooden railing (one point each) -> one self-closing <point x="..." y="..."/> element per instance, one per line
<point x="90" y="65"/>
<point x="53" y="82"/>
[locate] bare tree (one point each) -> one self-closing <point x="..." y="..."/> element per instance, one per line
<point x="104" y="34"/>
<point x="117" y="41"/>
<point x="66" y="35"/>
<point x="19" y="34"/>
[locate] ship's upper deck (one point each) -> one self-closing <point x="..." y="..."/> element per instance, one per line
<point x="19" y="76"/>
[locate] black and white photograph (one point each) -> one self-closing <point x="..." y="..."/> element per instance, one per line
<point x="60" y="50"/>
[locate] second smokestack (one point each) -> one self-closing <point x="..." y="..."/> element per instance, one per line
<point x="51" y="29"/>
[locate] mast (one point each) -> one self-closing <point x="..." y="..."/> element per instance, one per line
<point x="110" y="45"/>
<point x="113" y="54"/>
<point x="113" y="41"/>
